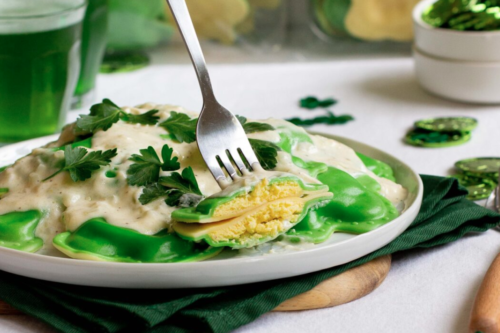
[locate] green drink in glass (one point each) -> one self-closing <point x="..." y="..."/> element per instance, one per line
<point x="39" y="65"/>
<point x="95" y="26"/>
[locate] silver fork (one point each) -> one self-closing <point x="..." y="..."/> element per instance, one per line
<point x="221" y="139"/>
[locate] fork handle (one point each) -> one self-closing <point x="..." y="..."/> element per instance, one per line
<point x="485" y="317"/>
<point x="181" y="14"/>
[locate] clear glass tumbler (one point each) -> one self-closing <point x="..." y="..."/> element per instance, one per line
<point x="95" y="26"/>
<point x="39" y="65"/>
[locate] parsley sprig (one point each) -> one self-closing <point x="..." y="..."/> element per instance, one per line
<point x="80" y="163"/>
<point x="253" y="127"/>
<point x="266" y="152"/>
<point x="178" y="189"/>
<point x="181" y="126"/>
<point x="146" y="169"/>
<point x="104" y="115"/>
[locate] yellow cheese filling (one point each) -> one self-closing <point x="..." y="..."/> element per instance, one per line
<point x="269" y="220"/>
<point x="263" y="192"/>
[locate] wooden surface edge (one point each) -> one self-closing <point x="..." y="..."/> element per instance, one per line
<point x="7" y="310"/>
<point x="343" y="288"/>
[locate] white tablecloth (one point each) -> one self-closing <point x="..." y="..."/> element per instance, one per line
<point x="426" y="291"/>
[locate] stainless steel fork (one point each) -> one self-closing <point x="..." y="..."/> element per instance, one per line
<point x="220" y="136"/>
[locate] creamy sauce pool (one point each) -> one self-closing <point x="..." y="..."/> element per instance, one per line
<point x="67" y="204"/>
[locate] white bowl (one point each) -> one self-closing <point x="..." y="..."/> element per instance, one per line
<point x="463" y="81"/>
<point x="459" y="65"/>
<point x="452" y="44"/>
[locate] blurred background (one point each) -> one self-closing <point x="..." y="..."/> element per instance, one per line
<point x="54" y="49"/>
<point x="266" y="30"/>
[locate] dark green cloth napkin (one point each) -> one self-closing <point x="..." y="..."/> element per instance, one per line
<point x="445" y="216"/>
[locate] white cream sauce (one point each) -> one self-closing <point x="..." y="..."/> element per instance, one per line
<point x="68" y="204"/>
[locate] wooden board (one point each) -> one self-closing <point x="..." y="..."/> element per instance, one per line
<point x="346" y="287"/>
<point x="343" y="288"/>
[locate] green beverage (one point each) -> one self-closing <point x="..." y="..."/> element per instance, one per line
<point x="39" y="65"/>
<point x="95" y="26"/>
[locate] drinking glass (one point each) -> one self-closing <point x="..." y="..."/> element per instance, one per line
<point x="39" y="65"/>
<point x="95" y="25"/>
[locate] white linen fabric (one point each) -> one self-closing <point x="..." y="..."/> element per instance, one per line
<point x="426" y="290"/>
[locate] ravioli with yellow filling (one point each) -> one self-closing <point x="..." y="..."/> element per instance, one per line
<point x="241" y="217"/>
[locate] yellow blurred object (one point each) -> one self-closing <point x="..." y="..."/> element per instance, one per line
<point x="381" y="19"/>
<point x="217" y="19"/>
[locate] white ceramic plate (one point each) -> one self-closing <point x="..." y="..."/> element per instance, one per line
<point x="338" y="250"/>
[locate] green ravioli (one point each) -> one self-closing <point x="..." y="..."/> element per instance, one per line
<point x="354" y="208"/>
<point x="17" y="230"/>
<point x="379" y="168"/>
<point x="98" y="240"/>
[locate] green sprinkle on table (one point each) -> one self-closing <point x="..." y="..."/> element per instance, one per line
<point x="312" y="102"/>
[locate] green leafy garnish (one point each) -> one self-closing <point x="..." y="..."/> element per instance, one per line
<point x="266" y="152"/>
<point x="181" y="126"/>
<point x="3" y="191"/>
<point x="177" y="189"/>
<point x="147" y="118"/>
<point x="329" y="119"/>
<point x="312" y="102"/>
<point x="80" y="163"/>
<point x="185" y="182"/>
<point x="169" y="163"/>
<point x="152" y="192"/>
<point x="146" y="169"/>
<point x="254" y="127"/>
<point x="104" y="115"/>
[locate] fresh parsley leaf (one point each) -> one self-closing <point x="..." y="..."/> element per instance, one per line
<point x="147" y="118"/>
<point x="257" y="127"/>
<point x="102" y="116"/>
<point x="254" y="126"/>
<point x="181" y="126"/>
<point x="146" y="169"/>
<point x="169" y="163"/>
<point x="329" y="119"/>
<point x="174" y="197"/>
<point x="266" y="152"/>
<point x="152" y="193"/>
<point x="80" y="163"/>
<point x="241" y="119"/>
<point x="178" y="190"/>
<point x="185" y="182"/>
